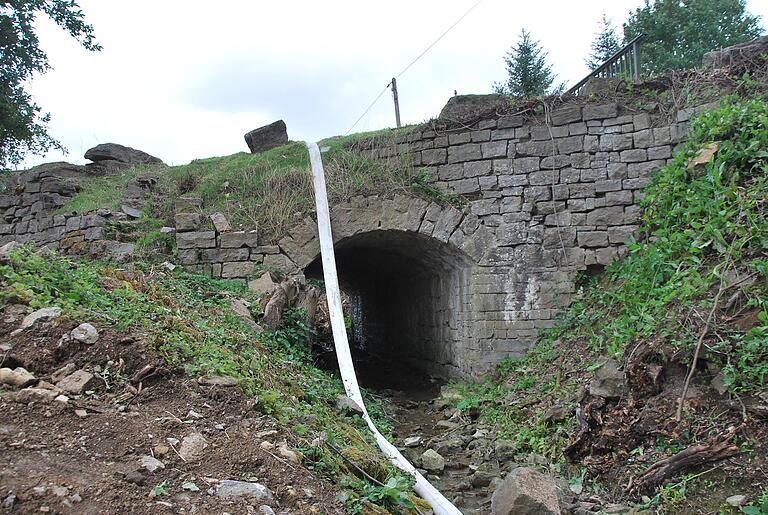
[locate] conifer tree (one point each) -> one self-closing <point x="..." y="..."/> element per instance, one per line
<point x="605" y="44"/>
<point x="528" y="74"/>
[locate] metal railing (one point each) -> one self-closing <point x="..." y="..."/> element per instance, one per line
<point x="624" y="63"/>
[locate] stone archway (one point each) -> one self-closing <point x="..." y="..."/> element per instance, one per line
<point x="409" y="266"/>
<point x="410" y="297"/>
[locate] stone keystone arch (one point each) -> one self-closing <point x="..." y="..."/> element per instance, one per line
<point x="430" y="284"/>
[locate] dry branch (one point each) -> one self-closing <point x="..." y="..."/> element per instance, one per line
<point x="717" y="449"/>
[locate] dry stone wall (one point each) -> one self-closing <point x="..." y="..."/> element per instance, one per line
<point x="206" y="244"/>
<point x="32" y="202"/>
<point x="544" y="201"/>
<point x="469" y="286"/>
<point x="29" y="212"/>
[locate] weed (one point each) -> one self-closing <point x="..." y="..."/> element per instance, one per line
<point x="421" y="183"/>
<point x="188" y="320"/>
<point x="758" y="508"/>
<point x="106" y="192"/>
<point x="393" y="495"/>
<point x="696" y="222"/>
<point x="161" y="489"/>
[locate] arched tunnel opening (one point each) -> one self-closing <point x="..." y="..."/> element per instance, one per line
<point x="407" y="303"/>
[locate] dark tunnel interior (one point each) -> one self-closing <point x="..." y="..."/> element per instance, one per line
<point x="407" y="293"/>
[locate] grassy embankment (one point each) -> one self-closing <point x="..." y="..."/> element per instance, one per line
<point x="698" y="278"/>
<point x="187" y="319"/>
<point x="271" y="190"/>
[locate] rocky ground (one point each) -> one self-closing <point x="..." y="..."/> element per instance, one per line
<point x="97" y="425"/>
<point x="97" y="420"/>
<point x="467" y="459"/>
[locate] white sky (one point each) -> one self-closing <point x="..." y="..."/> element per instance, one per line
<point x="186" y="79"/>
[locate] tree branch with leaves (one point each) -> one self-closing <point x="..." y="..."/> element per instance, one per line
<point x="679" y="32"/>
<point x="23" y="126"/>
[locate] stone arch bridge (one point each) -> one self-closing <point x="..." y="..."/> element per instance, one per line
<point x="450" y="291"/>
<point x="455" y="291"/>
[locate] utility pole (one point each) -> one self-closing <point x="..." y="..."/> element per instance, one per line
<point x="397" y="102"/>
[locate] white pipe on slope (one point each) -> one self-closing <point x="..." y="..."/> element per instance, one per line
<point x="440" y="504"/>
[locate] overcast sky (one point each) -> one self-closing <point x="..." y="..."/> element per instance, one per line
<point x="186" y="79"/>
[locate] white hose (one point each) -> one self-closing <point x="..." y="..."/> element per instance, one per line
<point x="440" y="505"/>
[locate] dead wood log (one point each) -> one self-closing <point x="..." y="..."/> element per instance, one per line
<point x="308" y="300"/>
<point x="274" y="309"/>
<point x="717" y="449"/>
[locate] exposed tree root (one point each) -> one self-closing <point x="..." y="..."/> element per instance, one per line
<point x="717" y="449"/>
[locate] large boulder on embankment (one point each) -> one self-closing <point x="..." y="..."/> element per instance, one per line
<point x="112" y="157"/>
<point x="467" y="109"/>
<point x="267" y="137"/>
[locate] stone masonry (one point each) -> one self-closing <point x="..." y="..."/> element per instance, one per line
<point x="457" y="290"/>
<point x="30" y="205"/>
<point x="208" y="245"/>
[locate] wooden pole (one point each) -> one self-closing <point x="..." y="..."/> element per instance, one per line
<point x="397" y="102"/>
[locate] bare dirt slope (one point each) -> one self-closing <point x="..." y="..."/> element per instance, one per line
<point x="83" y="455"/>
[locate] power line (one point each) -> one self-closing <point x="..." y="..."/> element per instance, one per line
<point x="441" y="36"/>
<point x="368" y="108"/>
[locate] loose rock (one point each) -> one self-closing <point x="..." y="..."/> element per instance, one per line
<point x="37" y="317"/>
<point x="609" y="381"/>
<point x="120" y="153"/>
<point x="262" y="284"/>
<point x="557" y="414"/>
<point x="465" y="109"/>
<point x="28" y="395"/>
<point x="736" y="500"/>
<point x="151" y="464"/>
<point x="63" y="372"/>
<point x="483" y="476"/>
<point x="413" y="441"/>
<point x="267" y="137"/>
<point x="135" y="477"/>
<point x="76" y="382"/>
<point x="450" y="445"/>
<point x="240" y="308"/>
<point x="718" y="383"/>
<point x="217" y="381"/>
<point x="230" y="489"/>
<point x="131" y="211"/>
<point x="9" y="501"/>
<point x="288" y="454"/>
<point x="193" y="447"/>
<point x="220" y="222"/>
<point x="85" y="333"/>
<point x="168" y="266"/>
<point x="432" y="461"/>
<point x="347" y="405"/>
<point x="525" y="492"/>
<point x="505" y="450"/>
<point x="5" y="251"/>
<point x="18" y="377"/>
